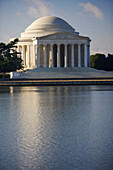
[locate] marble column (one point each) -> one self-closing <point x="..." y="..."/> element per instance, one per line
<point x="38" y="55"/>
<point x="72" y="55"/>
<point x="45" y="56"/>
<point x="28" y="56"/>
<point x="24" y="55"/>
<point x="58" y="55"/>
<point x="34" y="55"/>
<point x="85" y="55"/>
<point x="18" y="50"/>
<point x="79" y="56"/>
<point x="36" y="59"/>
<point x="65" y="60"/>
<point x="23" y="52"/>
<point x="51" y="56"/>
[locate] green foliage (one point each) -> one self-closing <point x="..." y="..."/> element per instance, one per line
<point x="109" y="65"/>
<point x="101" y="62"/>
<point x="92" y="61"/>
<point x="9" y="58"/>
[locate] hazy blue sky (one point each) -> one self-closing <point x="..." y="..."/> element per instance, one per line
<point x="93" y="18"/>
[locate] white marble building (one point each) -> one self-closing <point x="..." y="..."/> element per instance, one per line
<point x="52" y="42"/>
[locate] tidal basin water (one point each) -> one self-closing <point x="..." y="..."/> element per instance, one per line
<point x="56" y="128"/>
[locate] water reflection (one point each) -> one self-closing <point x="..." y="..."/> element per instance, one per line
<point x="56" y="127"/>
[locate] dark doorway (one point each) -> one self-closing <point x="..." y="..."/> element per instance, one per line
<point x="62" y="55"/>
<point x="54" y="55"/>
<point x="69" y="55"/>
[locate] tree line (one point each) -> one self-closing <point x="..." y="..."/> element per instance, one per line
<point x="10" y="59"/>
<point x="102" y="62"/>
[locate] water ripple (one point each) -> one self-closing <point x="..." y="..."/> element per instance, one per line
<point x="56" y="128"/>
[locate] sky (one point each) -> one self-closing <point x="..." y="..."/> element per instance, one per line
<point x="92" y="18"/>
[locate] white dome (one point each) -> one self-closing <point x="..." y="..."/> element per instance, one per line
<point x="47" y="25"/>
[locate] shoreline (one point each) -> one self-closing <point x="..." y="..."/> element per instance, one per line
<point x="57" y="81"/>
<point x="60" y="76"/>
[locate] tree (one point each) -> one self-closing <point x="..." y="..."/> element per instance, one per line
<point x="109" y="65"/>
<point x="92" y="61"/>
<point x="101" y="62"/>
<point x="9" y="58"/>
<point x="98" y="61"/>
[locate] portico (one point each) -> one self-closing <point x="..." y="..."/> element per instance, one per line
<point x="62" y="55"/>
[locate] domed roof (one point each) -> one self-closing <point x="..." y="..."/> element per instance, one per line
<point x="49" y="24"/>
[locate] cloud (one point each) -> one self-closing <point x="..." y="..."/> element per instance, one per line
<point x="88" y="7"/>
<point x="38" y="8"/>
<point x="21" y="16"/>
<point x="32" y="12"/>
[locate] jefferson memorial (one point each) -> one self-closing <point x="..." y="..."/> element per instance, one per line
<point x="52" y="42"/>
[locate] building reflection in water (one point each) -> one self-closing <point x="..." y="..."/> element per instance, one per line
<point x="55" y="126"/>
<point x="42" y="113"/>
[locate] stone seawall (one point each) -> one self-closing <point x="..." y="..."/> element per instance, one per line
<point x="57" y="81"/>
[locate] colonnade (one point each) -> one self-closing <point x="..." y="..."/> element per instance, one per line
<point x="27" y="55"/>
<point x="62" y="55"/>
<point x="54" y="55"/>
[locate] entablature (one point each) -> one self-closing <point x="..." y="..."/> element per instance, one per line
<point x="52" y="42"/>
